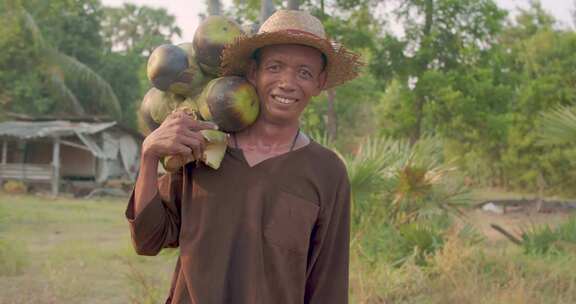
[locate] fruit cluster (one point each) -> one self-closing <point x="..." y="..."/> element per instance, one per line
<point x="187" y="77"/>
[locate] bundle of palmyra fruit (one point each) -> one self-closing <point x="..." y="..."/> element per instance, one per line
<point x="186" y="77"/>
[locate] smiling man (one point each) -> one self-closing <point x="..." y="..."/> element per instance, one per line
<point x="272" y="224"/>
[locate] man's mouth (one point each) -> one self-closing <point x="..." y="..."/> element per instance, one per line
<point x="284" y="100"/>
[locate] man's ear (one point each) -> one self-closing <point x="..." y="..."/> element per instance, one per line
<point x="251" y="74"/>
<point x="322" y="78"/>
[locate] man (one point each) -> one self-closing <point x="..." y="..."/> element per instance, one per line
<point x="271" y="225"/>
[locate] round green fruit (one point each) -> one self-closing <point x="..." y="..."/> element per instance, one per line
<point x="161" y="104"/>
<point x="145" y="122"/>
<point x="165" y="65"/>
<point x="192" y="80"/>
<point x="231" y="102"/>
<point x="209" y="41"/>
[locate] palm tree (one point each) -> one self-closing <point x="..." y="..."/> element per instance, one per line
<point x="558" y="126"/>
<point x="293" y="4"/>
<point x="266" y="10"/>
<point x="57" y="67"/>
<point x="214" y="7"/>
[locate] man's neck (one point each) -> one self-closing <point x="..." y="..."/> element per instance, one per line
<point x="267" y="136"/>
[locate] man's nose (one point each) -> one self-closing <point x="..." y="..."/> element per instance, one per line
<point x="287" y="81"/>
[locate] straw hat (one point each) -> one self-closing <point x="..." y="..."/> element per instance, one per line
<point x="292" y="27"/>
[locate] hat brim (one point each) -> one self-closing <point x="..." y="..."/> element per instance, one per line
<point x="341" y="66"/>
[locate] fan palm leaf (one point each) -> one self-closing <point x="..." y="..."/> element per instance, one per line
<point x="558" y="126"/>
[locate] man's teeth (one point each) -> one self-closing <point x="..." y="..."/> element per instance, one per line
<point x="284" y="100"/>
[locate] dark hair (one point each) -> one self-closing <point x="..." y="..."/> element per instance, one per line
<point x="257" y="56"/>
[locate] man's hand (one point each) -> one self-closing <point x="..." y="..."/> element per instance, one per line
<point x="177" y="135"/>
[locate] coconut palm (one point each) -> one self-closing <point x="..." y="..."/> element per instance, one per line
<point x="558" y="126"/>
<point x="57" y="67"/>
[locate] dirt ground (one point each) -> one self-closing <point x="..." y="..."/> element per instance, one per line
<point x="516" y="215"/>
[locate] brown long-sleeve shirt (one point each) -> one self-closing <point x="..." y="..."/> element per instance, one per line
<point x="274" y="233"/>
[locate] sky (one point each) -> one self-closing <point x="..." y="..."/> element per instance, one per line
<point x="186" y="11"/>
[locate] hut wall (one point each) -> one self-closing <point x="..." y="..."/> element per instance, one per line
<point x="76" y="162"/>
<point x="38" y="152"/>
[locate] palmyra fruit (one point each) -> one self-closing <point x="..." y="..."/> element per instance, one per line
<point x="165" y="65"/>
<point x="209" y="40"/>
<point x="231" y="102"/>
<point x="192" y="80"/>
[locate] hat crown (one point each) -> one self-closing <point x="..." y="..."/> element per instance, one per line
<point x="292" y="20"/>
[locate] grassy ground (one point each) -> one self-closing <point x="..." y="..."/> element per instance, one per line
<point x="78" y="251"/>
<point x="74" y="251"/>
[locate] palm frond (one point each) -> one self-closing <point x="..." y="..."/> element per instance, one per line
<point x="367" y="167"/>
<point x="30" y="24"/>
<point x="72" y="68"/>
<point x="558" y="126"/>
<point x="79" y="71"/>
<point x="58" y="87"/>
<point x="322" y="138"/>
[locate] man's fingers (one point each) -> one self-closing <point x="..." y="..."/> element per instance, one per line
<point x="197" y="152"/>
<point x="182" y="149"/>
<point x="194" y="139"/>
<point x="178" y="116"/>
<point x="197" y="125"/>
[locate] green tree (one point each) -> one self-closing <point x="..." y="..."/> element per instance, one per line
<point x="130" y="33"/>
<point x="61" y="80"/>
<point x="490" y="112"/>
<point x="137" y="29"/>
<point x="439" y="36"/>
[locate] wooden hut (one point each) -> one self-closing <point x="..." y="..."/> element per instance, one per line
<point x="51" y="152"/>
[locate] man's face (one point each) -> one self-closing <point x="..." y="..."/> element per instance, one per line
<point x="286" y="77"/>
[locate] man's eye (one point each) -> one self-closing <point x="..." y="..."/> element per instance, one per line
<point x="273" y="68"/>
<point x="305" y="74"/>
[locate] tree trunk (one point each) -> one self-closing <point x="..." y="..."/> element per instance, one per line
<point x="214" y="7"/>
<point x="266" y="10"/>
<point x="418" y="112"/>
<point x="331" y="118"/>
<point x="293" y="4"/>
<point x="422" y="67"/>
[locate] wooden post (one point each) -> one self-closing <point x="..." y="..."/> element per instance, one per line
<point x="56" y="166"/>
<point x="4" y="158"/>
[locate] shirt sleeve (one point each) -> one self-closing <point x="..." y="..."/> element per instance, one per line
<point x="327" y="277"/>
<point x="157" y="226"/>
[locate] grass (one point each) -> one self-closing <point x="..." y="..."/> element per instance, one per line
<point x="79" y="251"/>
<point x="460" y="273"/>
<point x="74" y="251"/>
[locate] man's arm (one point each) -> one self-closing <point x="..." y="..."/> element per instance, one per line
<point x="327" y="277"/>
<point x="154" y="208"/>
<point x="153" y="211"/>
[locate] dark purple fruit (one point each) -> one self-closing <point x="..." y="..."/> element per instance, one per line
<point x="165" y="65"/>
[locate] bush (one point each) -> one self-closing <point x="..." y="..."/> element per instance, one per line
<point x="548" y="240"/>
